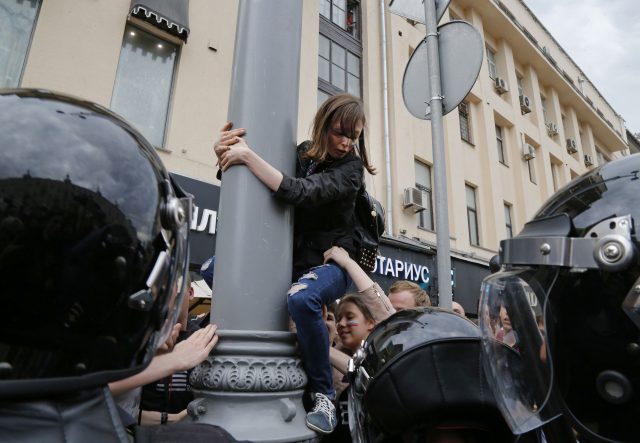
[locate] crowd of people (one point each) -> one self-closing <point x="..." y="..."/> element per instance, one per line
<point x="102" y="253"/>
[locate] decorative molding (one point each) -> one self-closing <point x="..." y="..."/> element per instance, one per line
<point x="249" y="374"/>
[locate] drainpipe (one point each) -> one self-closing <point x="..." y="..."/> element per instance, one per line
<point x="385" y="117"/>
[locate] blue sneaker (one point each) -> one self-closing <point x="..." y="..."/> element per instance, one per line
<point x="322" y="417"/>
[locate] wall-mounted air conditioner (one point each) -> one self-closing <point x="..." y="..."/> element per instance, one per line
<point x="525" y="104"/>
<point x="572" y="147"/>
<point x="528" y="151"/>
<point x="588" y="160"/>
<point x="413" y="200"/>
<point x="500" y="85"/>
<point x="552" y="129"/>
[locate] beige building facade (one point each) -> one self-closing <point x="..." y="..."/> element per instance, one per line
<point x="531" y="123"/>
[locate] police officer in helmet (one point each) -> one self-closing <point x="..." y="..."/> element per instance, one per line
<point x="93" y="256"/>
<point x="418" y="378"/>
<point x="570" y="284"/>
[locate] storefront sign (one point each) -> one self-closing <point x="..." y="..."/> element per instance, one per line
<point x="403" y="270"/>
<point x="204" y="217"/>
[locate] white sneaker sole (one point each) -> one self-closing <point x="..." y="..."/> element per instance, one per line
<point x="317" y="429"/>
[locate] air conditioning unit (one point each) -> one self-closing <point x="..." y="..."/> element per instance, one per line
<point x="528" y="152"/>
<point x="588" y="160"/>
<point x="501" y="85"/>
<point x="572" y="148"/>
<point x="552" y="129"/>
<point x="413" y="200"/>
<point x="525" y="104"/>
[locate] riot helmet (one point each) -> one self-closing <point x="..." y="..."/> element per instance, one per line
<point x="417" y="373"/>
<point x="569" y="293"/>
<point x="93" y="246"/>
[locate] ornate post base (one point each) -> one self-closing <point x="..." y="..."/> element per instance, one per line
<point x="252" y="387"/>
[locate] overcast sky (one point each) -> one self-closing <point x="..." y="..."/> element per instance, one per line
<point x="603" y="38"/>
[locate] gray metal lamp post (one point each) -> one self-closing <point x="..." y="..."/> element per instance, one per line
<point x="252" y="384"/>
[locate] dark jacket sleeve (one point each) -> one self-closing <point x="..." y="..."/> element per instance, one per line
<point x="323" y="187"/>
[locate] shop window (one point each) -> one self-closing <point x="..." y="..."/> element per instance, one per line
<point x="465" y="121"/>
<point x="339" y="48"/>
<point x="17" y="22"/>
<point x="472" y="215"/>
<point x="144" y="82"/>
<point x="423" y="183"/>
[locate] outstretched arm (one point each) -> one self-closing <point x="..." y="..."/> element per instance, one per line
<point x="185" y="355"/>
<point x="231" y="149"/>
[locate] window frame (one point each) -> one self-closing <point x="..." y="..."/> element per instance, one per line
<point x="492" y="65"/>
<point x="532" y="171"/>
<point x="508" y="219"/>
<point x="339" y="36"/>
<point x="545" y="113"/>
<point x="464" y="113"/>
<point x="425" y="190"/>
<point x="472" y="211"/>
<point x="500" y="145"/>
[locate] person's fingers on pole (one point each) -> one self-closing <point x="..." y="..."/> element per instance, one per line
<point x="211" y="345"/>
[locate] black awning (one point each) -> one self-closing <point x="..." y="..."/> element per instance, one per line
<point x="171" y="16"/>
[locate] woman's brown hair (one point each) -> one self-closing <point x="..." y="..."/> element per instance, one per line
<point x="346" y="109"/>
<point x="360" y="304"/>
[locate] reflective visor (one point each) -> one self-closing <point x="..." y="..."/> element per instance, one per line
<point x="514" y="351"/>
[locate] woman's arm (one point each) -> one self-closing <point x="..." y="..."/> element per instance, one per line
<point x="371" y="293"/>
<point x="361" y="279"/>
<point x="237" y="152"/>
<point x="339" y="359"/>
<point x="332" y="184"/>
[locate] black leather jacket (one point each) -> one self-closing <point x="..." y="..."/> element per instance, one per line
<point x="324" y="201"/>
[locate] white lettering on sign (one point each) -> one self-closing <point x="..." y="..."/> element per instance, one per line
<point x="209" y="218"/>
<point x="402" y="269"/>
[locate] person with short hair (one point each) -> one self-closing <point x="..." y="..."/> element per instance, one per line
<point x="405" y="294"/>
<point x="457" y="308"/>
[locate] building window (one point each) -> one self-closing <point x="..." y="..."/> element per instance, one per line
<point x="340" y="49"/>
<point x="500" y="145"/>
<point x="507" y="220"/>
<point x="17" y="20"/>
<point x="465" y="122"/>
<point x="554" y="176"/>
<point x="491" y="63"/>
<point x="144" y="82"/>
<point x="545" y="114"/>
<point x="602" y="159"/>
<point x="472" y="215"/>
<point x="532" y="171"/>
<point x="520" y="86"/>
<point x="423" y="183"/>
<point x="344" y="13"/>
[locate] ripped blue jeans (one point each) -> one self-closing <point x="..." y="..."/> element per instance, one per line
<point x="319" y="286"/>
